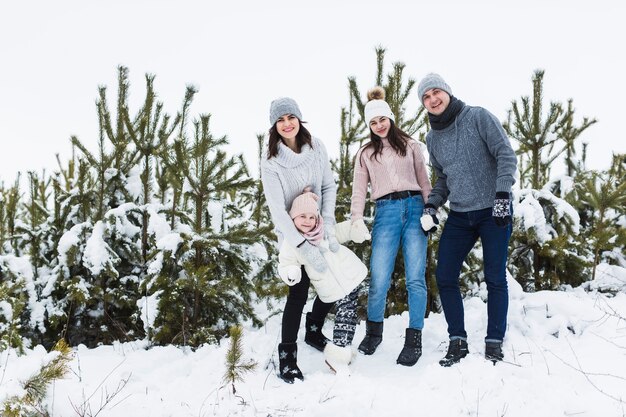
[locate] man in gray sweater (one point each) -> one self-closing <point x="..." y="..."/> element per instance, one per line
<point x="475" y="167"/>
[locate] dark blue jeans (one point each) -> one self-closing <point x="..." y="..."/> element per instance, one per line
<point x="459" y="236"/>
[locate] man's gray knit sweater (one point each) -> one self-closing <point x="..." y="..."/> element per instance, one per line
<point x="473" y="160"/>
<point x="284" y="178"/>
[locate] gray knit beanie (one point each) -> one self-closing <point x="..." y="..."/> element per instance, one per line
<point x="282" y="106"/>
<point x="431" y="81"/>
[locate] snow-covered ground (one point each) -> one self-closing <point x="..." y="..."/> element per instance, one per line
<point x="565" y="355"/>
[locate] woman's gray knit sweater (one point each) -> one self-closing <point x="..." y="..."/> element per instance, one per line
<point x="473" y="160"/>
<point x="286" y="175"/>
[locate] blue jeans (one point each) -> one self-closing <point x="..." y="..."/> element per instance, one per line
<point x="398" y="222"/>
<point x="460" y="233"/>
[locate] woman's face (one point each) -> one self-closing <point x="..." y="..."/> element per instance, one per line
<point x="380" y="126"/>
<point x="305" y="222"/>
<point x="288" y="126"/>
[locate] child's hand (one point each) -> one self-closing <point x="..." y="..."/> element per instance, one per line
<point x="313" y="256"/>
<point x="329" y="234"/>
<point x="291" y="275"/>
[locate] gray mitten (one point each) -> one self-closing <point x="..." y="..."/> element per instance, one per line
<point x="313" y="256"/>
<point x="329" y="234"/>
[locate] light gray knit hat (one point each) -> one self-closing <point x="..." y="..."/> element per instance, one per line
<point x="431" y="81"/>
<point x="282" y="106"/>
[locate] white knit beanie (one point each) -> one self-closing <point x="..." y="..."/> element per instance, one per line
<point x="304" y="203"/>
<point x="377" y="106"/>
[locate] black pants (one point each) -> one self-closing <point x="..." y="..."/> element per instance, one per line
<point x="292" y="314"/>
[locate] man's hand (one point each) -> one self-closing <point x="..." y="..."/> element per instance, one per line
<point x="429" y="219"/>
<point x="502" y="209"/>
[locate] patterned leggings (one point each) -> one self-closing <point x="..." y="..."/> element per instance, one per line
<point x="345" y="319"/>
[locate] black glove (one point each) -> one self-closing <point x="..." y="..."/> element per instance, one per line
<point x="502" y="209"/>
<point x="429" y="219"/>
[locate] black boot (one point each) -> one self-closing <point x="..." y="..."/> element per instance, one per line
<point x="314" y="336"/>
<point x="457" y="350"/>
<point x="493" y="351"/>
<point x="288" y="367"/>
<point x="412" y="349"/>
<point x="373" y="337"/>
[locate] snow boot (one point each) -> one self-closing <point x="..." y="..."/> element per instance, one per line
<point x="457" y="350"/>
<point x="338" y="358"/>
<point x="288" y="366"/>
<point x="373" y="337"/>
<point x="493" y="351"/>
<point x="314" y="336"/>
<point x="412" y="349"/>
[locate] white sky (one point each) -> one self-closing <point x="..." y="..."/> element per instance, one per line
<point x="242" y="54"/>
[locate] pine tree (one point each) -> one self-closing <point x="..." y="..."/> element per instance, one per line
<point x="569" y="134"/>
<point x="605" y="193"/>
<point x="9" y="204"/>
<point x="536" y="136"/>
<point x="203" y="280"/>
<point x="31" y="404"/>
<point x="236" y="367"/>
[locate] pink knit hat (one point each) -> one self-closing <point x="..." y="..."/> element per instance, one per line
<point x="304" y="203"/>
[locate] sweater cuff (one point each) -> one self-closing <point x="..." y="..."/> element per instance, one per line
<point x="504" y="184"/>
<point x="435" y="200"/>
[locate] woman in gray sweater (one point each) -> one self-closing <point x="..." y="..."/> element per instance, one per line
<point x="294" y="160"/>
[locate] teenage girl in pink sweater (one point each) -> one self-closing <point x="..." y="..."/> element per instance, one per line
<point x="393" y="165"/>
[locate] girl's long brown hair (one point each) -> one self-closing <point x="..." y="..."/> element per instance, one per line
<point x="303" y="137"/>
<point x="398" y="139"/>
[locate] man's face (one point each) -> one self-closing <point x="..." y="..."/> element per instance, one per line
<point x="436" y="101"/>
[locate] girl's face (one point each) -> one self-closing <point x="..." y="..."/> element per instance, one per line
<point x="305" y="222"/>
<point x="288" y="126"/>
<point x="380" y="126"/>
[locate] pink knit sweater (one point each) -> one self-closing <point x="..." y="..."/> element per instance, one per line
<point x="387" y="173"/>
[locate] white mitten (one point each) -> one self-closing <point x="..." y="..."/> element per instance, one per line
<point x="359" y="232"/>
<point x="342" y="231"/>
<point x="291" y="275"/>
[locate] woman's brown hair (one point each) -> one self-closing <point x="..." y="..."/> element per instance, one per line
<point x="303" y="137"/>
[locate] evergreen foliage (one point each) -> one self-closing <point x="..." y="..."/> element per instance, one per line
<point x="160" y="234"/>
<point x="546" y="250"/>
<point x="151" y="218"/>
<point x="31" y="402"/>
<point x="236" y="367"/>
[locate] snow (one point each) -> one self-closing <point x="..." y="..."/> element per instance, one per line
<point x="565" y="355"/>
<point x="97" y="253"/>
